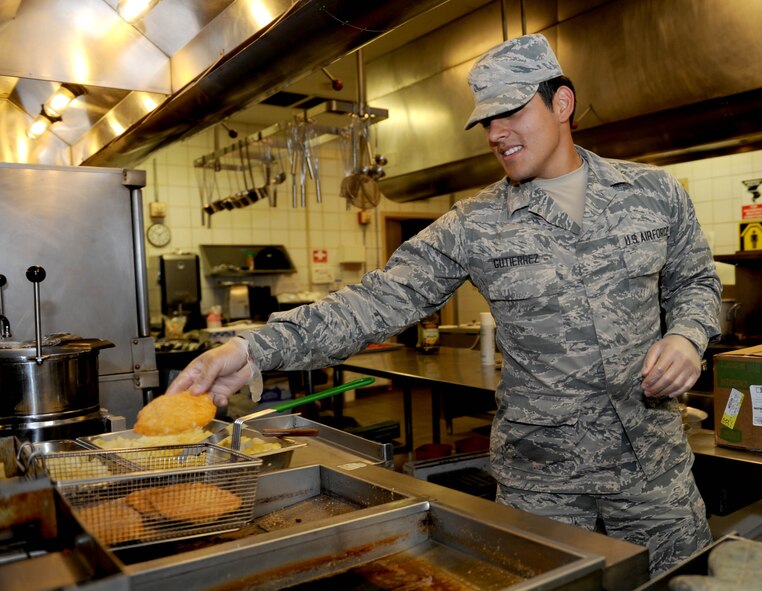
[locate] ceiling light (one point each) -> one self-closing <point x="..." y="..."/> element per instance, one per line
<point x="132" y="10"/>
<point x="61" y="98"/>
<point x="40" y="124"/>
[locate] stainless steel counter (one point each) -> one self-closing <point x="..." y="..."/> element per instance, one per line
<point x="702" y="443"/>
<point x="337" y="508"/>
<point x="396" y="515"/>
<point x="729" y="479"/>
<point x="624" y="563"/>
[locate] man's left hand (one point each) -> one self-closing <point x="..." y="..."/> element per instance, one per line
<point x="671" y="367"/>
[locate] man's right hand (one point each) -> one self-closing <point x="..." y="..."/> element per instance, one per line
<point x="221" y="372"/>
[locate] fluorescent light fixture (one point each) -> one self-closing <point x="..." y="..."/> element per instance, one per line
<point x="59" y="100"/>
<point x="51" y="111"/>
<point x="40" y="125"/>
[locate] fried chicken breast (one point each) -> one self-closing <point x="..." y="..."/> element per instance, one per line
<point x="170" y="414"/>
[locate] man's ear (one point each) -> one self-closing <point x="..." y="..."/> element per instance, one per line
<point x="563" y="103"/>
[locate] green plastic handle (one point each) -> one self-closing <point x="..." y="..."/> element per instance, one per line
<point x="359" y="383"/>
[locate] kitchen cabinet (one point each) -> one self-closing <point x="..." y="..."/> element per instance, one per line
<point x="242" y="260"/>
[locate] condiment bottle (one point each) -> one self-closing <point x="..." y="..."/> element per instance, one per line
<point x="214" y="317"/>
<point x="428" y="334"/>
<point x="487" y="338"/>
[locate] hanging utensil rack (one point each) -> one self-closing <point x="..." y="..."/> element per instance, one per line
<point x="226" y="177"/>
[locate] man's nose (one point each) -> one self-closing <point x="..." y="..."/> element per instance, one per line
<point x="496" y="130"/>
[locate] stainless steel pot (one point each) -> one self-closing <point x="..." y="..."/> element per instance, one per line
<point x="49" y="387"/>
<point x="53" y="395"/>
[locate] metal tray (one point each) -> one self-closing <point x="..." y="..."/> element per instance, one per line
<point x="319" y="523"/>
<point x="274" y="459"/>
<point x="338" y="444"/>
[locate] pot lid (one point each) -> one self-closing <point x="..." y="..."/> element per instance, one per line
<point x="52" y="344"/>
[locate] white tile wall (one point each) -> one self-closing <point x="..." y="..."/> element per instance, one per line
<point x="714" y="185"/>
<point x="718" y="193"/>
<point x="325" y="226"/>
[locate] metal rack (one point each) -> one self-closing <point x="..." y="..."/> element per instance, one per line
<point x="251" y="169"/>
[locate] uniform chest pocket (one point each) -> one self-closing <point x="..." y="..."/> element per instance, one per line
<point x="647" y="259"/>
<point x="525" y="303"/>
<point x="524" y="283"/>
<point x="643" y="266"/>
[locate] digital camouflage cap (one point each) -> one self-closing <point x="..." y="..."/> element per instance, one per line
<point x="508" y="75"/>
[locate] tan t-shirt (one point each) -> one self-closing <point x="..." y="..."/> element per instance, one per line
<point x="568" y="191"/>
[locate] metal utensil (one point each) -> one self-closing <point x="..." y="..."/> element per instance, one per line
<point x="238" y="424"/>
<point x="291" y="432"/>
<point x="311" y="158"/>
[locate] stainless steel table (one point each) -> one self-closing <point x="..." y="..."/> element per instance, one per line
<point x="451" y="369"/>
<point x="718" y="470"/>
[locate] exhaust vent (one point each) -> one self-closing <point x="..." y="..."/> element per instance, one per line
<point x="677" y="81"/>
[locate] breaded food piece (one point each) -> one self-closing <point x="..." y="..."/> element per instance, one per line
<point x="112" y="522"/>
<point x="140" y="500"/>
<point x="195" y="501"/>
<point x="170" y="414"/>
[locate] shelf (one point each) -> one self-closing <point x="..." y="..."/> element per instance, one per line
<point x="247" y="273"/>
<point x="232" y="260"/>
<point x="752" y="256"/>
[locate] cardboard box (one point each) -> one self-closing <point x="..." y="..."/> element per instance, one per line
<point x="738" y="398"/>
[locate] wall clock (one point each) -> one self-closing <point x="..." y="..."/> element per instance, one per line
<point x="158" y="234"/>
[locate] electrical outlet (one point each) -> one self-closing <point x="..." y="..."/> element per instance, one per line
<point x="321" y="274"/>
<point x="157" y="209"/>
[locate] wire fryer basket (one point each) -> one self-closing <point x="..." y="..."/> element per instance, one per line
<point x="132" y="497"/>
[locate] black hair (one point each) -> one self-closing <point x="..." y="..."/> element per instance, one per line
<point x="547" y="90"/>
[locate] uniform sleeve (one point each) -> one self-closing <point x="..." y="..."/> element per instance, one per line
<point x="690" y="286"/>
<point x="419" y="278"/>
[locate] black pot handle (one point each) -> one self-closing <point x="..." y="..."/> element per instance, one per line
<point x="36" y="275"/>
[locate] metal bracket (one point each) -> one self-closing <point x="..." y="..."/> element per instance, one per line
<point x="144" y="362"/>
<point x="133" y="178"/>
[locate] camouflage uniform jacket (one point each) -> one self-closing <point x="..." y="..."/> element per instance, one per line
<point x="576" y="311"/>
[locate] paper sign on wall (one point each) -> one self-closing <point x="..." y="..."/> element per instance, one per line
<point x="751" y="212"/>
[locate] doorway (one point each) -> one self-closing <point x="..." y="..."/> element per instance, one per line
<point x="397" y="228"/>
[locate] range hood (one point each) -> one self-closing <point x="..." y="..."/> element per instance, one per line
<point x="185" y="66"/>
<point x="658" y="82"/>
